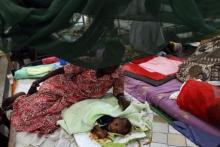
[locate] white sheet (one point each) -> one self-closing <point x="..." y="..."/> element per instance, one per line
<point x="161" y="65"/>
<point x="58" y="139"/>
<point x="23" y="85"/>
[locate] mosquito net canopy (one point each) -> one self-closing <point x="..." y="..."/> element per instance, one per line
<point x="100" y="33"/>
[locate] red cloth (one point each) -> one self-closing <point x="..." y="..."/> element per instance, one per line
<point x="134" y="67"/>
<point x="201" y="100"/>
<point x="50" y="60"/>
<point x="39" y="112"/>
<point x="214" y="113"/>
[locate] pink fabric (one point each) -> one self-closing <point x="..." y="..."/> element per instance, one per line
<point x="161" y="65"/>
<point x="50" y="60"/>
<point x="40" y="111"/>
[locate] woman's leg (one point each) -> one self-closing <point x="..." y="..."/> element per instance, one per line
<point x="3" y="119"/>
<point x="7" y="102"/>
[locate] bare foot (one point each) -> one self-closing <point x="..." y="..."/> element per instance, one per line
<point x="7" y="102"/>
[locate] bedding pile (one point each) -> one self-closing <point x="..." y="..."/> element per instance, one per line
<point x="190" y="97"/>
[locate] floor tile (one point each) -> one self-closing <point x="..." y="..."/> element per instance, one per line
<point x="158" y="145"/>
<point x="173" y="131"/>
<point x="159" y="138"/>
<point x="158" y="119"/>
<point x="176" y="140"/>
<point x="190" y="143"/>
<point x="160" y="127"/>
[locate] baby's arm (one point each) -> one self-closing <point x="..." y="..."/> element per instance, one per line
<point x="99" y="132"/>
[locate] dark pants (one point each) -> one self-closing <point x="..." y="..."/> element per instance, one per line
<point x="3" y="141"/>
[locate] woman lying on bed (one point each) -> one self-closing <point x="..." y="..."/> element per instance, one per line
<point x="39" y="110"/>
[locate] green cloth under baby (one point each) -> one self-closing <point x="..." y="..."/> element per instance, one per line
<point x="82" y="116"/>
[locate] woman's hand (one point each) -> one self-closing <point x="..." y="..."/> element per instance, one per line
<point x="100" y="133"/>
<point x="123" y="102"/>
<point x="33" y="88"/>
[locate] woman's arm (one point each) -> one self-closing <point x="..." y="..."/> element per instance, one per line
<point x="122" y="101"/>
<point x="118" y="92"/>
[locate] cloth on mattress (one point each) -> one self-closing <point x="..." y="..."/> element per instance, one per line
<point x="34" y="72"/>
<point x="57" y="139"/>
<point x="161" y="65"/>
<point x="84" y="140"/>
<point x="150" y="67"/>
<point x="159" y="96"/>
<point x="23" y="85"/>
<point x="148" y="80"/>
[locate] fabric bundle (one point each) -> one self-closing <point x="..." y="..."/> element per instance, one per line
<point x="202" y="100"/>
<point x="204" y="64"/>
<point x="34" y="72"/>
<point x="155" y="70"/>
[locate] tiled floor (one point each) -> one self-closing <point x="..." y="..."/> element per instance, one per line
<point x="165" y="135"/>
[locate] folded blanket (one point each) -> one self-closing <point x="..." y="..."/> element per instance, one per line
<point x="81" y="117"/>
<point x="34" y="72"/>
<point x="155" y="68"/>
<point x="161" y="65"/>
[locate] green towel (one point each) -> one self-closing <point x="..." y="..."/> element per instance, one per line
<point x="115" y="145"/>
<point x="34" y="72"/>
<point x="81" y="117"/>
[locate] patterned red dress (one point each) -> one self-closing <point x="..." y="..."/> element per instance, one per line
<point x="40" y="111"/>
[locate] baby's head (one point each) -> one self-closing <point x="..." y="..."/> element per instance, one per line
<point x="120" y="126"/>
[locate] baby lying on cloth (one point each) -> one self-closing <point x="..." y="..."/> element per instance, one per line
<point x="104" y="117"/>
<point x="95" y="112"/>
<point x="110" y="124"/>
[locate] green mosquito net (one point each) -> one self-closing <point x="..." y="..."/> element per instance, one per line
<point x="101" y="33"/>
